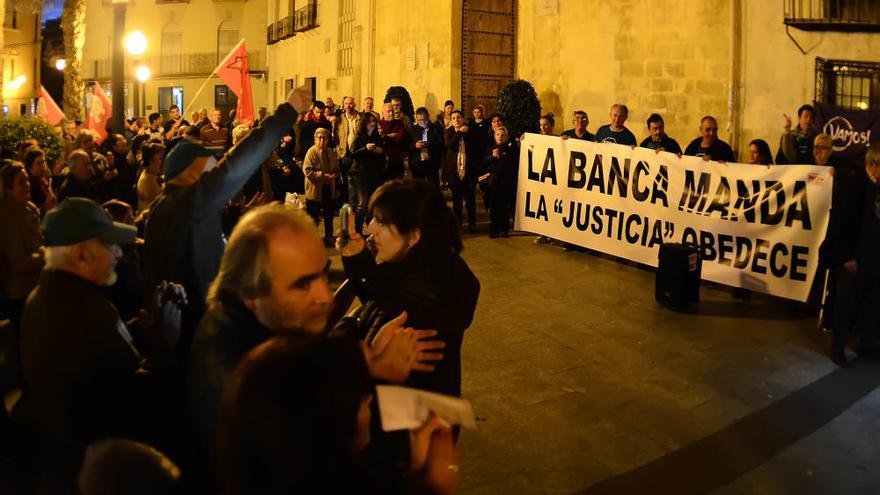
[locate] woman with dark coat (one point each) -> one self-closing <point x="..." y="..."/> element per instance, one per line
<point x="368" y="166"/>
<point x="416" y="267"/>
<point x="460" y="167"/>
<point x="500" y="168"/>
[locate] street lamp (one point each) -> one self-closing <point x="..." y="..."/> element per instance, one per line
<point x="136" y="43"/>
<point x="141" y="73"/>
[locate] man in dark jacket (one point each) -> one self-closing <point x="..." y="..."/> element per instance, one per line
<point x="184" y="236"/>
<point x="83" y="369"/>
<point x="855" y="246"/>
<point x="708" y="146"/>
<point x="427" y="148"/>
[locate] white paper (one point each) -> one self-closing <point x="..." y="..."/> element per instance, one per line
<point x="404" y="408"/>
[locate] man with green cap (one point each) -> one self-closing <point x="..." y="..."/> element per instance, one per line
<point x="83" y="375"/>
<point x="184" y="238"/>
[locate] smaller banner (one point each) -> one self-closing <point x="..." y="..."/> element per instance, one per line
<point x="47" y="109"/>
<point x="99" y="112"/>
<point x="852" y="130"/>
<point x="234" y="72"/>
<point x="758" y="227"/>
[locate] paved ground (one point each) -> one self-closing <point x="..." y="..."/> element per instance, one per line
<point x="583" y="384"/>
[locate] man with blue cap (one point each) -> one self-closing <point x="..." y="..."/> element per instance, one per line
<point x="83" y="373"/>
<point x="184" y="238"/>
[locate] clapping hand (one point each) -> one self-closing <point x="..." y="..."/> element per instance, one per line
<point x="787" y="122"/>
<point x="397" y="350"/>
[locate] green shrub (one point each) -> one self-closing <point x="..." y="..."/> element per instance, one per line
<point x="16" y="129"/>
<point x="519" y="105"/>
<point x="406" y="104"/>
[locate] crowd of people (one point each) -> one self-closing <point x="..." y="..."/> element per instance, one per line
<point x="170" y="307"/>
<point x="172" y="322"/>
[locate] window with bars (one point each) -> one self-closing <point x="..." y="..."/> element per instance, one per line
<point x="344" y="62"/>
<point x="848" y="84"/>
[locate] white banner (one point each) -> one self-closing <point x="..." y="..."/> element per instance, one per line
<point x="758" y="227"/>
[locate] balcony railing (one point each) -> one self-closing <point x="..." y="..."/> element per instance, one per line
<point x="303" y="19"/>
<point x="190" y="64"/>
<point x="833" y="15"/>
<point x="306" y="18"/>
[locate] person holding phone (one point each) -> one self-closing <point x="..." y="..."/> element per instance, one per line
<point x="427" y="150"/>
<point x="366" y="173"/>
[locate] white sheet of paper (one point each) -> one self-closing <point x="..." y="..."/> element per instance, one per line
<point x="405" y="408"/>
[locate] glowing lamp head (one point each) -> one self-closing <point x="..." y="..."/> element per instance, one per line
<point x="136" y="43"/>
<point x="60" y="64"/>
<point x="142" y="73"/>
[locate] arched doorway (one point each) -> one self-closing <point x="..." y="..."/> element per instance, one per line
<point x="488" y="51"/>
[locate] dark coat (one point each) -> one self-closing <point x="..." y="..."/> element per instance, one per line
<point x="436" y="144"/>
<point x="184" y="236"/>
<point x="366" y="163"/>
<point x="78" y="369"/>
<point x="473" y="147"/>
<point x="854" y="227"/>
<point x="502" y="170"/>
<point x="73" y="187"/>
<point x="719" y="151"/>
<point x="441" y="296"/>
<point x="227" y="332"/>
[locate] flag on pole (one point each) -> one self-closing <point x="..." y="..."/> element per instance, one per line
<point x="99" y="112"/>
<point x="47" y="109"/>
<point x="234" y="72"/>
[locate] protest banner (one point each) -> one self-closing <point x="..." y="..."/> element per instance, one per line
<point x="758" y="227"/>
<point x="852" y="132"/>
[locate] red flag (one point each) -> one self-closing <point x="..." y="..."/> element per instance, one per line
<point x="234" y="72"/>
<point x="47" y="109"/>
<point x="99" y="113"/>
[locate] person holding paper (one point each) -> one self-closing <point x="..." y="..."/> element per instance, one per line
<point x="416" y="267"/>
<point x="296" y="419"/>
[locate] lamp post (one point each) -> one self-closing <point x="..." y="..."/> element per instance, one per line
<point x="136" y="45"/>
<point x="117" y="80"/>
<point x="142" y="73"/>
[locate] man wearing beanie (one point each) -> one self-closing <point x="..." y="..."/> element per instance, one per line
<point x="83" y="374"/>
<point x="184" y="237"/>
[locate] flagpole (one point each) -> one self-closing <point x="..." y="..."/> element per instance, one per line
<point x="202" y="88"/>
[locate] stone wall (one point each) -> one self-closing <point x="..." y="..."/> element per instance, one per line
<point x="410" y="44"/>
<point x="672" y="59"/>
<point x="777" y="77"/>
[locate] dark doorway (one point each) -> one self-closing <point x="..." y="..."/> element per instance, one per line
<point x="312" y="84"/>
<point x="488" y="51"/>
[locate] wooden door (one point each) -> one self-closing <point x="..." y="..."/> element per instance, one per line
<point x="488" y="51"/>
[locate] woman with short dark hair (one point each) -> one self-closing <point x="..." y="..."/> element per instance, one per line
<point x="368" y="166"/>
<point x="416" y="241"/>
